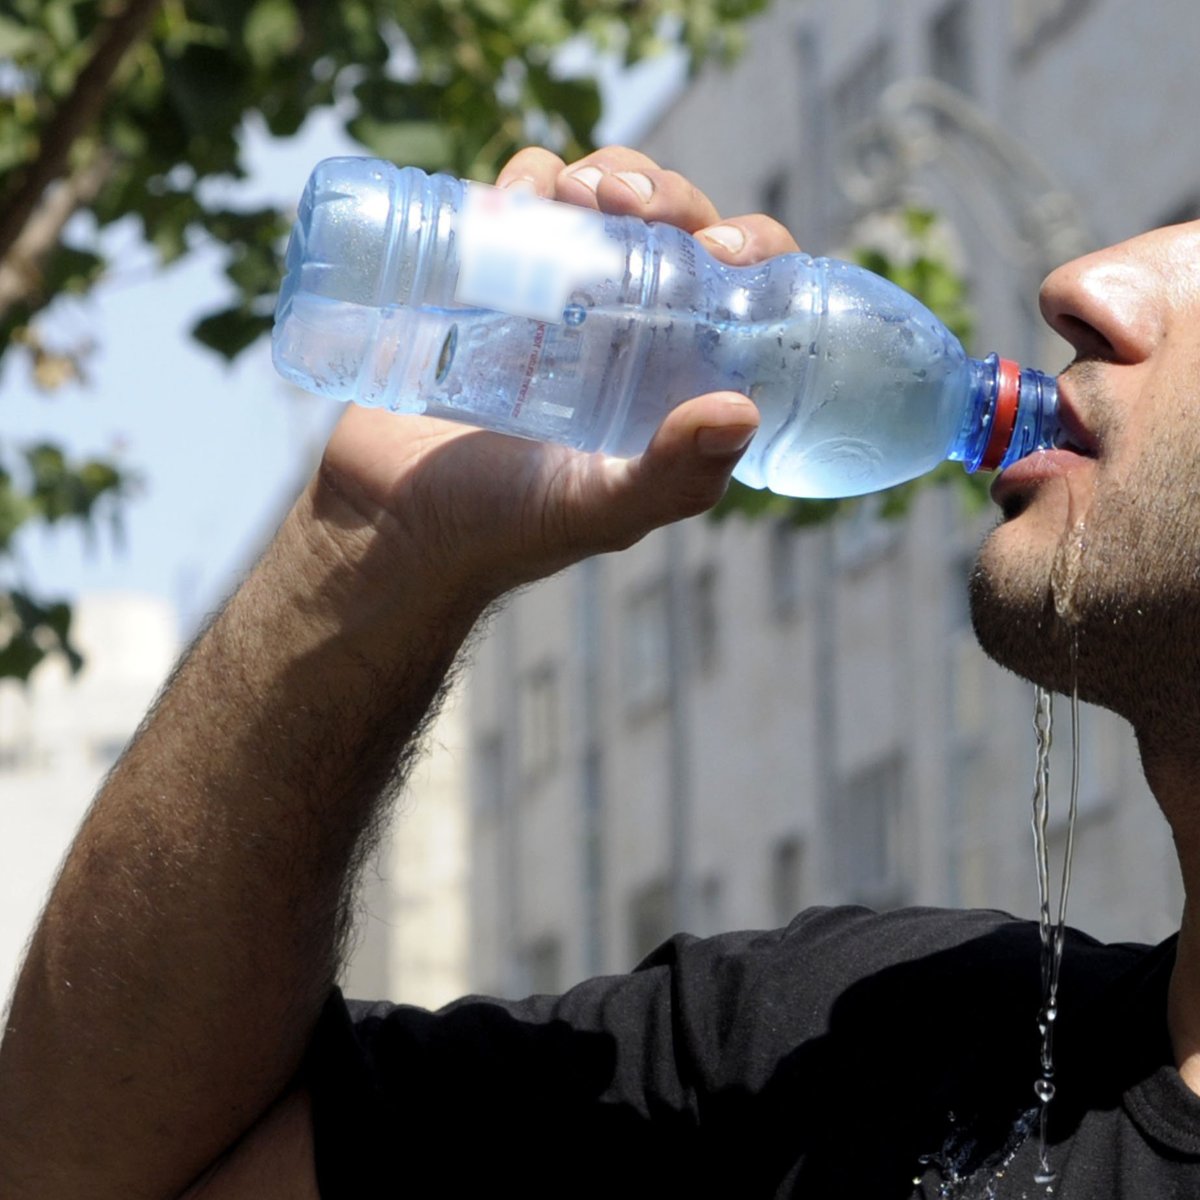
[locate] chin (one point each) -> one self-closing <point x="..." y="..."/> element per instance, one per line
<point x="1013" y="610"/>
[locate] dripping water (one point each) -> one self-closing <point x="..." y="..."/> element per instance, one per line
<point x="951" y="1163"/>
<point x="1052" y="924"/>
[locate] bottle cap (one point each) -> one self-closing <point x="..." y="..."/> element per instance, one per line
<point x="1004" y="417"/>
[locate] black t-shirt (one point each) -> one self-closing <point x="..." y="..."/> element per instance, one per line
<point x="850" y="1056"/>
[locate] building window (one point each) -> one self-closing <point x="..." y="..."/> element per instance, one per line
<point x="489" y="775"/>
<point x="972" y="688"/>
<point x="862" y="536"/>
<point x="705" y="619"/>
<point x="539" y="721"/>
<point x="774" y="197"/>
<point x="647" y="645"/>
<point x="787" y="879"/>
<point x="867" y="827"/>
<point x="856" y="97"/>
<point x="650" y="918"/>
<point x="542" y="962"/>
<point x="710" y="917"/>
<point x="950" y="47"/>
<point x="784" y="569"/>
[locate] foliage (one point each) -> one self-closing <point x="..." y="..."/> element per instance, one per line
<point x="49" y="489"/>
<point x="136" y="110"/>
<point x="921" y="268"/>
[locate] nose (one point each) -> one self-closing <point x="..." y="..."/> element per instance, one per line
<point x="1110" y="305"/>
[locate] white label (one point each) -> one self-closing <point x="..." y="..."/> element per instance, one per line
<point x="523" y="255"/>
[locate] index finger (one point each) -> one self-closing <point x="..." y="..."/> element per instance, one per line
<point x="535" y="169"/>
<point x="627" y="182"/>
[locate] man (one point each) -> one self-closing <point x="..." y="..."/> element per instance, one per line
<point x="175" y="1031"/>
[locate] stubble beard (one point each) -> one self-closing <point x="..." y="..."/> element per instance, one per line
<point x="1115" y="608"/>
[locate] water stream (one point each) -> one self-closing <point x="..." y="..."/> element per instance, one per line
<point x="957" y="1179"/>
<point x="1051" y="923"/>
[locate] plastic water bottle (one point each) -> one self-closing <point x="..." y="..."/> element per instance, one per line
<point x="425" y="294"/>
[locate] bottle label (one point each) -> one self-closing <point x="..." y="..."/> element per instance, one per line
<point x="523" y="255"/>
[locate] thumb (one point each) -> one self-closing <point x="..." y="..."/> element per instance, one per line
<point x="686" y="468"/>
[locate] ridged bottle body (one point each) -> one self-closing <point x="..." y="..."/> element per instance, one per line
<point x="424" y="294"/>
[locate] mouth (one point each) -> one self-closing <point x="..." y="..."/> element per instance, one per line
<point x="1013" y="489"/>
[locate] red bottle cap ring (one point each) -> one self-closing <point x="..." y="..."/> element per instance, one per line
<point x="1004" y="416"/>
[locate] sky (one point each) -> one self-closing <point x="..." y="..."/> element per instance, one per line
<point x="219" y="449"/>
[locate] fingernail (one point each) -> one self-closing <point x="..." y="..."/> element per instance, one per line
<point x="728" y="237"/>
<point x="723" y="441"/>
<point x="524" y="184"/>
<point x="589" y="176"/>
<point x="638" y="183"/>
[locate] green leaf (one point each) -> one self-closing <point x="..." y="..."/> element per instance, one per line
<point x="19" y="655"/>
<point x="756" y="503"/>
<point x="576" y="100"/>
<point x="30" y="631"/>
<point x="71" y="270"/>
<point x="425" y="144"/>
<point x="15" y="510"/>
<point x="16" y="40"/>
<point x="58" y="17"/>
<point x="272" y="29"/>
<point x="207" y="87"/>
<point x="230" y="331"/>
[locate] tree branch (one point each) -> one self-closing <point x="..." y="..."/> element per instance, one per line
<point x="19" y="269"/>
<point x="72" y="119"/>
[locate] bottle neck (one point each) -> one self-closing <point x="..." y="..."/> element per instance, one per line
<point x="1011" y="412"/>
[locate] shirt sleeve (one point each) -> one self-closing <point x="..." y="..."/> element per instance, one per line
<point x="744" y="1064"/>
<point x="521" y="1091"/>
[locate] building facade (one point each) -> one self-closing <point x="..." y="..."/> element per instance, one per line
<point x="734" y="720"/>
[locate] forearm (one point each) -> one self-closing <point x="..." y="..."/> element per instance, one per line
<point x="194" y="931"/>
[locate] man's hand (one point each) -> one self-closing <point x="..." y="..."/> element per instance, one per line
<point x="174" y="980"/>
<point x="482" y="513"/>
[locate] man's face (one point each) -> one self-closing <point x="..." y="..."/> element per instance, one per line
<point x="1100" y="545"/>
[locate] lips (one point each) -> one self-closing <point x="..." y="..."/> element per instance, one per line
<point x="1078" y="437"/>
<point x="1078" y="445"/>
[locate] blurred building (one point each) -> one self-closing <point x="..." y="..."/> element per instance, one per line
<point x="412" y="929"/>
<point x="732" y="721"/>
<point x="58" y="739"/>
<point x="60" y="736"/>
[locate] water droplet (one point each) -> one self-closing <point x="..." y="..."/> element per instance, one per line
<point x="1044" y="1175"/>
<point x="574" y="314"/>
<point x="1044" y="1090"/>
